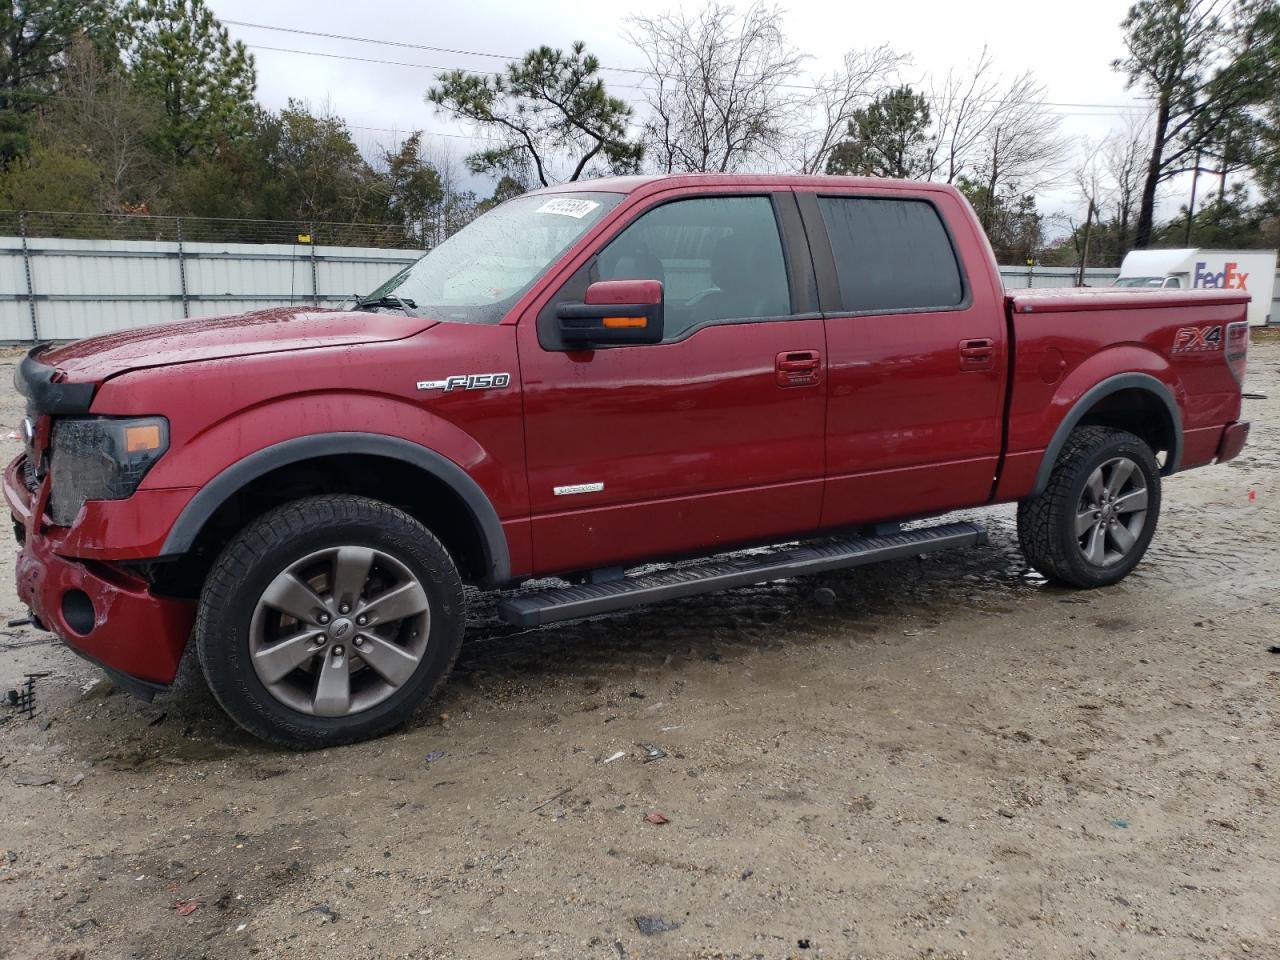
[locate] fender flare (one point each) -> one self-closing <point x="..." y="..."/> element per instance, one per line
<point x="221" y="488"/>
<point x="1099" y="391"/>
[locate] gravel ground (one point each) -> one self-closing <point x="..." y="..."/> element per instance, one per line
<point x="941" y="757"/>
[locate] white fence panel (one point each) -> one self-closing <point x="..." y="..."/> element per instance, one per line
<point x="87" y="287"/>
<point x="1020" y="278"/>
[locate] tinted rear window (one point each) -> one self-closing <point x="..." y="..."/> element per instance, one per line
<point x="891" y="254"/>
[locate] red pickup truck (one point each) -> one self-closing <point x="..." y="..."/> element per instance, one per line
<point x="586" y="379"/>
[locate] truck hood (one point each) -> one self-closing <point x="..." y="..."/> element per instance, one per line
<point x="213" y="338"/>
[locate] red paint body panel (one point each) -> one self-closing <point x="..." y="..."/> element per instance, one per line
<point x="739" y="433"/>
<point x="211" y="338"/>
<point x="910" y="430"/>
<point x="1134" y="334"/>
<point x="667" y="424"/>
<point x="249" y="403"/>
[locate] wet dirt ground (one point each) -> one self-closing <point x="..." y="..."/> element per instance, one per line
<point x="940" y="757"/>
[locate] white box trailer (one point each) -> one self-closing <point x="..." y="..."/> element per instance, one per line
<point x="1251" y="270"/>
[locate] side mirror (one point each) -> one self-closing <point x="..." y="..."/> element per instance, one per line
<point x="613" y="312"/>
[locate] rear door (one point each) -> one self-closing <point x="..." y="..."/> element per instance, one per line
<point x="915" y="354"/>
<point x="704" y="441"/>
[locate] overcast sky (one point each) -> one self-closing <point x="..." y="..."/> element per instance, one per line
<point x="1069" y="47"/>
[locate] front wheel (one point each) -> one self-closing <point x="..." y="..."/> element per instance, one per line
<point x="1093" y="522"/>
<point x="328" y="620"/>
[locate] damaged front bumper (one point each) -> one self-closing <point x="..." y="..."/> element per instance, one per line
<point x="100" y="610"/>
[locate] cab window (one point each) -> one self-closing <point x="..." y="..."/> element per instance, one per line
<point x="891" y="255"/>
<point x="718" y="258"/>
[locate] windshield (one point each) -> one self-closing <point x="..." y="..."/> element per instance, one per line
<point x="1139" y="282"/>
<point x="477" y="274"/>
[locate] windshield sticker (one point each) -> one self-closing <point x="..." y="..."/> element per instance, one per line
<point x="566" y="207"/>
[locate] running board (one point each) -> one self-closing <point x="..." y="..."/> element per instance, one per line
<point x="590" y="599"/>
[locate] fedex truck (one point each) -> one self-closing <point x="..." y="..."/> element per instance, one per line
<point x="1251" y="270"/>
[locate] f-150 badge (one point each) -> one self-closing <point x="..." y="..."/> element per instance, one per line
<point x="467" y="381"/>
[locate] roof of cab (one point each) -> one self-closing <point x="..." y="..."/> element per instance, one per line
<point x="655" y="182"/>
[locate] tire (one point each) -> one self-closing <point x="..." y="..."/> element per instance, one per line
<point x="337" y="584"/>
<point x="1081" y="532"/>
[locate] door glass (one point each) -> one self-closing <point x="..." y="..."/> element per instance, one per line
<point x="718" y="258"/>
<point x="891" y="254"/>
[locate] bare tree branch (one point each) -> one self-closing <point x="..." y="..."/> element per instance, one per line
<point x="719" y="98"/>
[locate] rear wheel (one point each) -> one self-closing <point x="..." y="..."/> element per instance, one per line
<point x="1093" y="522"/>
<point x="329" y="620"/>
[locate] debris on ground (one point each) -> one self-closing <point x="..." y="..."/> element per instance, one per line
<point x="824" y="597"/>
<point x="652" y="752"/>
<point x="25" y="779"/>
<point x="327" y="913"/>
<point x="651" y="925"/>
<point x="187" y="907"/>
<point x="617" y="756"/>
<point x="656" y="818"/>
<point x="434" y="755"/>
<point x="550" y="800"/>
<point x="24" y="700"/>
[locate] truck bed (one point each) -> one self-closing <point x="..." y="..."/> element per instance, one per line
<point x="1069" y="299"/>
<point x="1153" y="333"/>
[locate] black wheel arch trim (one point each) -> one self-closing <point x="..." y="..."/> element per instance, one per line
<point x="1100" y="391"/>
<point x="223" y="486"/>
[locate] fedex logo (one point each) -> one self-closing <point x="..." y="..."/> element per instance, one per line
<point x="1197" y="339"/>
<point x="1228" y="279"/>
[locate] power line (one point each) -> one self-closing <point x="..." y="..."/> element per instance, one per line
<point x="401" y="63"/>
<point x="498" y="56"/>
<point x="398" y="43"/>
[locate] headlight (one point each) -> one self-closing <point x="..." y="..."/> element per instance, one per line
<point x="100" y="458"/>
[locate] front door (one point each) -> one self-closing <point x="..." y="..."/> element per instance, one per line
<point x="710" y="439"/>
<point x="915" y="351"/>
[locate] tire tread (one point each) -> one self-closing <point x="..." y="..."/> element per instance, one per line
<point x="1040" y="516"/>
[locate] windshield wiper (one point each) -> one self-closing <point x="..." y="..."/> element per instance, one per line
<point x="402" y="303"/>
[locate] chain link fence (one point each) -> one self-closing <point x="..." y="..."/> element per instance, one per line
<point x="127" y="226"/>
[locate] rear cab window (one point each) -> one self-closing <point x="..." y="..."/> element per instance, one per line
<point x="892" y="255"/>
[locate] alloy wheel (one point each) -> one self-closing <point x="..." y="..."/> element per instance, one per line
<point x="1112" y="512"/>
<point x="339" y="631"/>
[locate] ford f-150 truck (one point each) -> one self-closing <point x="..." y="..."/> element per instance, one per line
<point x="585" y="381"/>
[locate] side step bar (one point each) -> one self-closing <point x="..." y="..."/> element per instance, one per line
<point x="587" y="600"/>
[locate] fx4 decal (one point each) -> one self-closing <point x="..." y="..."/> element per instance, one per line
<point x="1197" y="339"/>
<point x="467" y="381"/>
